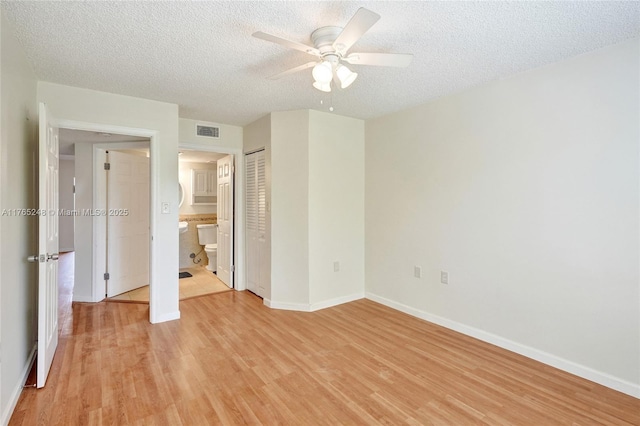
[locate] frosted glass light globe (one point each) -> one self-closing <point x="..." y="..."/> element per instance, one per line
<point x="323" y="72"/>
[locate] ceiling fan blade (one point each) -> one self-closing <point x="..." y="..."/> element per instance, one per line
<point x="287" y="43"/>
<point x="399" y="60"/>
<point x="355" y="28"/>
<point x="293" y="70"/>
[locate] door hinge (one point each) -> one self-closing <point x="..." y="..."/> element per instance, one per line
<point x="233" y="268"/>
<point x="106" y="276"/>
<point x="107" y="166"/>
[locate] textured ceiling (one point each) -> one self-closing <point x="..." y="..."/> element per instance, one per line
<point x="201" y="55"/>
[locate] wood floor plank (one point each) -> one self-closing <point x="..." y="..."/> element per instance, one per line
<point x="230" y="360"/>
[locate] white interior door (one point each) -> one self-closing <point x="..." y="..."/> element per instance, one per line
<point x="47" y="246"/>
<point x="256" y="222"/>
<point x="127" y="222"/>
<point x="225" y="220"/>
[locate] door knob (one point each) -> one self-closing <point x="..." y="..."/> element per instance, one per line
<point x="53" y="256"/>
<point x="35" y="258"/>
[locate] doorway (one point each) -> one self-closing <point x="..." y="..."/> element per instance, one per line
<point x="89" y="218"/>
<point x="206" y="216"/>
<point x="239" y="244"/>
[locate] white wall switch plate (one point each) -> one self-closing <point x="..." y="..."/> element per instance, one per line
<point x="444" y="277"/>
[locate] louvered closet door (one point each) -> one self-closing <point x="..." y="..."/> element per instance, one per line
<point x="256" y="222"/>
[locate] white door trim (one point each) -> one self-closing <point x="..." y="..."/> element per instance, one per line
<point x="239" y="212"/>
<point x="154" y="210"/>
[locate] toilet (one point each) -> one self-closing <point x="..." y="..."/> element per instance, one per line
<point x="208" y="237"/>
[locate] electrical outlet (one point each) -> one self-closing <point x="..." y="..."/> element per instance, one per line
<point x="417" y="271"/>
<point x="444" y="277"/>
<point x="336" y="266"/>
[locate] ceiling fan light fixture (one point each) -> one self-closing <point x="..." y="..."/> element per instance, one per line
<point x="345" y="75"/>
<point x="331" y="45"/>
<point x="324" y="87"/>
<point x="322" y="73"/>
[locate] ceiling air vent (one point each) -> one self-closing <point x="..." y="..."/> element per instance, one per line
<point x="208" y="131"/>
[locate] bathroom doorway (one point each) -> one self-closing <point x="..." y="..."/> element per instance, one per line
<point x="221" y="147"/>
<point x="206" y="222"/>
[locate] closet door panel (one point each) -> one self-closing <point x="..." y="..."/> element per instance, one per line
<point x="256" y="256"/>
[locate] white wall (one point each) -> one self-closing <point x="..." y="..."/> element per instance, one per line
<point x="257" y="135"/>
<point x="290" y="209"/>
<point x="65" y="223"/>
<point x="336" y="208"/>
<point x="18" y="279"/>
<point x="75" y="105"/>
<point x="526" y="192"/>
<point x="316" y="184"/>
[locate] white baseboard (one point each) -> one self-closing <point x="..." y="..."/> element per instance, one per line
<point x="166" y="317"/>
<point x="302" y="307"/>
<point x="579" y="370"/>
<point x="15" y="395"/>
<point x="337" y="301"/>
<point x="83" y="299"/>
<point x="310" y="307"/>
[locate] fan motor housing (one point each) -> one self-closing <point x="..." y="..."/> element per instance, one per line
<point x="323" y="38"/>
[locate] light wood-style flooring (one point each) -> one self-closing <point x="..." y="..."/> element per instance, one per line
<point x="200" y="283"/>
<point x="231" y="360"/>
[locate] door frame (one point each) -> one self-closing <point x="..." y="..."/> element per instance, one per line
<point x="239" y="208"/>
<point x="100" y="203"/>
<point x="154" y="210"/>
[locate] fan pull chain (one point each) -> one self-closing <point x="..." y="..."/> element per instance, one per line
<point x="331" y="106"/>
<point x="330" y="103"/>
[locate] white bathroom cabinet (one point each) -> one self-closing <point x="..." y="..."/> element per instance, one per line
<point x="203" y="187"/>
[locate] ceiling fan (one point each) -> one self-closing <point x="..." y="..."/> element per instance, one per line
<point x="331" y="46"/>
